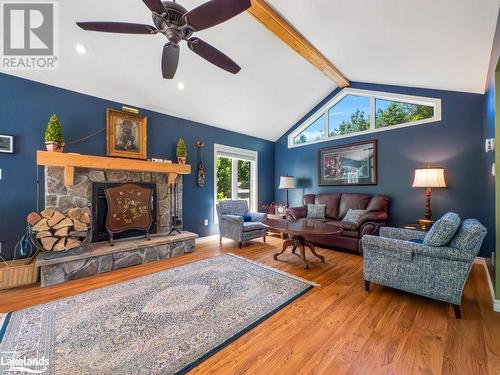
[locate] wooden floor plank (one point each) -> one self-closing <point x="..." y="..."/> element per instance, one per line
<point x="337" y="328"/>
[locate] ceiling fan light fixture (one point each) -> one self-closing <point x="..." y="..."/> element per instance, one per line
<point x="181" y="86"/>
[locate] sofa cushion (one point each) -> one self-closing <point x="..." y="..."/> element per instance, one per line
<point x="353" y="216"/>
<point x="354" y="201"/>
<point x="332" y="204"/>
<point x="443" y="230"/>
<point x="345" y="226"/>
<point x="251" y="225"/>
<point x="316" y="211"/>
<point x="469" y="237"/>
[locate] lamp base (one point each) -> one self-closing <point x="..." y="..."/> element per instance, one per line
<point x="425" y="224"/>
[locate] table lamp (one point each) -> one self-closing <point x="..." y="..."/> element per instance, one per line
<point x="429" y="178"/>
<point x="287" y="182"/>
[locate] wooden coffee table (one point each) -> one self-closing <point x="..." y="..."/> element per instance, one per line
<point x="297" y="230"/>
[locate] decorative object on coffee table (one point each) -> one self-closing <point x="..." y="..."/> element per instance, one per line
<point x="298" y="231"/>
<point x="54" y="137"/>
<point x="126" y="134"/>
<point x="181" y="151"/>
<point x="286" y="182"/>
<point x="352" y="164"/>
<point x="201" y="169"/>
<point x="429" y="178"/>
<point x="129" y="207"/>
<point x="7" y="144"/>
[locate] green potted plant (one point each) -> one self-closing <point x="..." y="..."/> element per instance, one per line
<point x="54" y="137"/>
<point x="181" y="151"/>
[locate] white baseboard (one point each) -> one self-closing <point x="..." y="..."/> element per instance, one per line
<point x="496" y="305"/>
<point x="496" y="302"/>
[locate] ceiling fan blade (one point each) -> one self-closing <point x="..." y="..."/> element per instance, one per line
<point x="118" y="27"/>
<point x="155" y="6"/>
<point x="213" y="55"/>
<point x="214" y="12"/>
<point x="169" y="60"/>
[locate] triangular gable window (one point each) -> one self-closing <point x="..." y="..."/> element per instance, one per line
<point x="352" y="112"/>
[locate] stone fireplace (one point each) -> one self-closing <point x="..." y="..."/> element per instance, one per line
<point x="132" y="248"/>
<point x="63" y="197"/>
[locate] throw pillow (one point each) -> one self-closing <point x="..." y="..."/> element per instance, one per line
<point x="416" y="240"/>
<point x="316" y="211"/>
<point x="352" y="216"/>
<point x="443" y="230"/>
<point x="246" y="217"/>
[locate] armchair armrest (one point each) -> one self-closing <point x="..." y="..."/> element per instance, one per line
<point x="372" y="216"/>
<point x="236" y="219"/>
<point x="403" y="249"/>
<point x="295" y="213"/>
<point x="402" y="234"/>
<point x="258" y="216"/>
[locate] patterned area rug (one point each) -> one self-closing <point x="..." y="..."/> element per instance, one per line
<point x="164" y="323"/>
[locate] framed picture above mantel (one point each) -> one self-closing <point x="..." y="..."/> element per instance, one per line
<point x="126" y="134"/>
<point x="348" y="165"/>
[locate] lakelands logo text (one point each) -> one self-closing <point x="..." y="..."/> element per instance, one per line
<point x="11" y="362"/>
<point x="30" y="38"/>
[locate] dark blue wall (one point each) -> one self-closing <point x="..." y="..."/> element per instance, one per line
<point x="25" y="107"/>
<point x="455" y="143"/>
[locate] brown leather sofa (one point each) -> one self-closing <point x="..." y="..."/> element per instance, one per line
<point x="337" y="205"/>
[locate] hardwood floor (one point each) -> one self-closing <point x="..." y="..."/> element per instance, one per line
<point x="337" y="328"/>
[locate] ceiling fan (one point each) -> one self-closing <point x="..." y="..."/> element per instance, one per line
<point x="177" y="24"/>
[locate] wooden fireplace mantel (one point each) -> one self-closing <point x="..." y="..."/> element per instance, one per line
<point x="71" y="161"/>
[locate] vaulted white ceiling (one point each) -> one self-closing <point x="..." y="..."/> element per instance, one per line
<point x="442" y="44"/>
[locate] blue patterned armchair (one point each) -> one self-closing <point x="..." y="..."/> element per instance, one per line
<point x="434" y="264"/>
<point x="233" y="226"/>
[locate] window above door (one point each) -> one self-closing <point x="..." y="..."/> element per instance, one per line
<point x="353" y="112"/>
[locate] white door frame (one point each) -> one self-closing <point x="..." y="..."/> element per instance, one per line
<point x="236" y="153"/>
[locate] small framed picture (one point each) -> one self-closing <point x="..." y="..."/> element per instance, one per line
<point x="352" y="164"/>
<point x="7" y="144"/>
<point x="126" y="134"/>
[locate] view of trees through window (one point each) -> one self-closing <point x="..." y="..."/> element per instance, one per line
<point x="225" y="175"/>
<point x="314" y="132"/>
<point x="390" y="112"/>
<point x="351" y="115"/>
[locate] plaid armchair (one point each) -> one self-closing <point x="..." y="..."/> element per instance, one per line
<point x="233" y="226"/>
<point x="400" y="259"/>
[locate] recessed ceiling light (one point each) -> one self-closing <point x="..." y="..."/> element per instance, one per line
<point x="81" y="49"/>
<point x="180" y="86"/>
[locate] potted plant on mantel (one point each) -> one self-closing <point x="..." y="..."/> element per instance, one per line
<point x="54" y="137"/>
<point x="181" y="151"/>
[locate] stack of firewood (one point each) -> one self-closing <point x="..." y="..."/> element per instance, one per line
<point x="57" y="231"/>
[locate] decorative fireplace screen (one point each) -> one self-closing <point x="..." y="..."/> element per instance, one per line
<point x="129" y="207"/>
<point x="130" y="211"/>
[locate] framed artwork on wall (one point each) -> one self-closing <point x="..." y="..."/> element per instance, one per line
<point x="126" y="134"/>
<point x="7" y="144"/>
<point x="347" y="165"/>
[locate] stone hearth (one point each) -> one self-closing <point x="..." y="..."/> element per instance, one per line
<point x="101" y="257"/>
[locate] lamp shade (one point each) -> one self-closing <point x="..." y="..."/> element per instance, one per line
<point x="429" y="177"/>
<point x="287" y="182"/>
